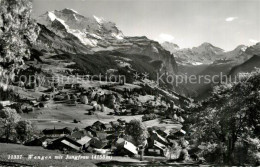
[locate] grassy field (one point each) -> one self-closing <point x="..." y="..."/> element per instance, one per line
<point x="15" y="149"/>
<point x="61" y="115"/>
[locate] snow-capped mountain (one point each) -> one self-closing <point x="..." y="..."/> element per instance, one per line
<point x="66" y="31"/>
<point x="206" y="53"/>
<point x="238" y="55"/>
<point x="90" y="31"/>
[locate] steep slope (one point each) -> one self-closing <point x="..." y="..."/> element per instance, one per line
<point x="152" y="49"/>
<point x="248" y="66"/>
<point x="254" y="49"/>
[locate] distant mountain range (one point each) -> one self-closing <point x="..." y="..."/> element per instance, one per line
<point x="206" y="53"/>
<point x="208" y="60"/>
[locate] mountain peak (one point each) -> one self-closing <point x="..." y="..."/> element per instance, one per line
<point x="171" y="47"/>
<point x="100" y="20"/>
<point x="206" y="44"/>
<point x="68" y="11"/>
<point x="209" y="47"/>
<point x="170" y="43"/>
<point x="241" y="47"/>
<point x="89" y="30"/>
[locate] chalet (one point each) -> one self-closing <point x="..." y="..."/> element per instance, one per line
<point x="114" y="123"/>
<point x="93" y="103"/>
<point x="115" y="136"/>
<point x="155" y="148"/>
<point x="84" y="141"/>
<point x="108" y="127"/>
<point x="155" y="136"/>
<point x="97" y="143"/>
<point x="101" y="151"/>
<point x="162" y="132"/>
<point x="101" y="135"/>
<point x="27" y="109"/>
<point x="84" y="99"/>
<point x="78" y="135"/>
<point x="125" y="148"/>
<point x="91" y="131"/>
<point x="65" y="143"/>
<point x="98" y="126"/>
<point x="37" y="142"/>
<point x="176" y="134"/>
<point x="5" y="103"/>
<point x="121" y="121"/>
<point x="54" y="133"/>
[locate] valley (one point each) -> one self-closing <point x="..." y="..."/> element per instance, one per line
<point x="76" y="88"/>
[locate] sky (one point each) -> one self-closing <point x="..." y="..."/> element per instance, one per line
<point x="188" y="23"/>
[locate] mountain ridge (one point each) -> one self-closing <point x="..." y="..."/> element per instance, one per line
<point x="206" y="53"/>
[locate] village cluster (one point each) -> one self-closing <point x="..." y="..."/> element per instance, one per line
<point x="110" y="138"/>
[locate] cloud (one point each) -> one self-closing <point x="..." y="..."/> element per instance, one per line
<point x="229" y="19"/>
<point x="253" y="41"/>
<point x="165" y="37"/>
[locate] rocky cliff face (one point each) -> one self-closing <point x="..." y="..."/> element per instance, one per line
<point x="145" y="46"/>
<point x="18" y="32"/>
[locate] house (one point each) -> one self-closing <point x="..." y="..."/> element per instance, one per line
<point x="101" y="151"/>
<point x="90" y="131"/>
<point x="114" y="123"/>
<point x="78" y="134"/>
<point x="98" y="126"/>
<point x="162" y="133"/>
<point x="125" y="148"/>
<point x="114" y="136"/>
<point x="97" y="143"/>
<point x="108" y="127"/>
<point x="155" y="148"/>
<point x="54" y="133"/>
<point x="121" y="121"/>
<point x="101" y="135"/>
<point x="176" y="134"/>
<point x="155" y="136"/>
<point x="93" y="103"/>
<point x="84" y="141"/>
<point x="84" y="99"/>
<point x="41" y="141"/>
<point x="65" y="143"/>
<point x="5" y="103"/>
